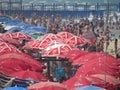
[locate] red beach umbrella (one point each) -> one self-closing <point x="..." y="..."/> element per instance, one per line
<point x="6" y="71"/>
<point x="74" y="54"/>
<point x="15" y="65"/>
<point x="36" y="66"/>
<point x="95" y="55"/>
<point x="108" y="78"/>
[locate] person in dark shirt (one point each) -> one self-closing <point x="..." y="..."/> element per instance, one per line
<point x="118" y="54"/>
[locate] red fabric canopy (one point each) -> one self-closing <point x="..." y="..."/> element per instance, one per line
<point x="36" y="66"/>
<point x="74" y="54"/>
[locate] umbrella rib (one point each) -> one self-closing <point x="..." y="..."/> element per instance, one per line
<point x="8" y="47"/>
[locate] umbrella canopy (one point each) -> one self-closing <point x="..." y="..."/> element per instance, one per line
<point x="97" y="68"/>
<point x="36" y="66"/>
<point x="76" y="40"/>
<point x="41" y="43"/>
<point x="58" y="50"/>
<point x="6" y="71"/>
<point x="90" y="88"/>
<point x="73" y="54"/>
<point x="76" y="82"/>
<point x="101" y="64"/>
<point x="16" y="38"/>
<point x="80" y="81"/>
<point x="30" y="75"/>
<point x="13" y="28"/>
<point x="108" y="78"/>
<point x="35" y="29"/>
<point x="51" y="36"/>
<point x="95" y="55"/>
<point x="48" y="86"/>
<point x="64" y="35"/>
<point x="5" y="47"/>
<point x="14" y="65"/>
<point x="15" y="88"/>
<point x="1" y="40"/>
<point x="38" y="28"/>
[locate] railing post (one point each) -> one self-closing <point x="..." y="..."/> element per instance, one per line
<point x="119" y="7"/>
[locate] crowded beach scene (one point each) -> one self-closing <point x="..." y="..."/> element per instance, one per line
<point x="59" y="45"/>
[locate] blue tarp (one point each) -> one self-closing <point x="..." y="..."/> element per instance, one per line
<point x="4" y="19"/>
<point x="60" y="72"/>
<point x="35" y="29"/>
<point x="15" y="88"/>
<point x="26" y="28"/>
<point x="90" y="88"/>
<point x="15" y="29"/>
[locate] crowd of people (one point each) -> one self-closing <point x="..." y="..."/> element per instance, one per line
<point x="97" y="27"/>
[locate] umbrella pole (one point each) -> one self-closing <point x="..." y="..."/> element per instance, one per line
<point x="105" y="61"/>
<point x="48" y="68"/>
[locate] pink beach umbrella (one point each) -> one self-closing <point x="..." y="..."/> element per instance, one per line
<point x="16" y="38"/>
<point x="65" y="36"/>
<point x="6" y="47"/>
<point x="74" y="40"/>
<point x="59" y="50"/>
<point x="41" y="43"/>
<point x="50" y="35"/>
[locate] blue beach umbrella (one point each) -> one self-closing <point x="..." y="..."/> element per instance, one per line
<point x="90" y="88"/>
<point x="37" y="28"/>
<point x="15" y="88"/>
<point x="15" y="28"/>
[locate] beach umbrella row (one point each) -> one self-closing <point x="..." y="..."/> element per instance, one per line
<point x="96" y="68"/>
<point x="13" y="60"/>
<point x="16" y="38"/>
<point x="54" y="45"/>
